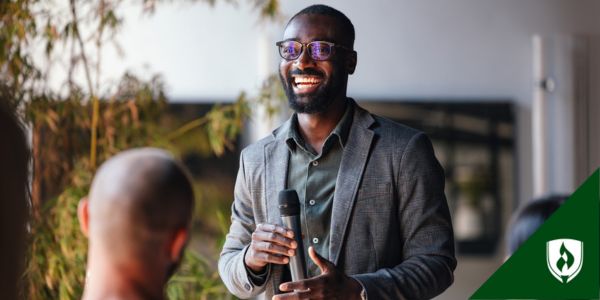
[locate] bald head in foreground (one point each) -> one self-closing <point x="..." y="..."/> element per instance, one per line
<point x="137" y="218"/>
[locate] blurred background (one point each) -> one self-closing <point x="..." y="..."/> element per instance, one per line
<point x="509" y="92"/>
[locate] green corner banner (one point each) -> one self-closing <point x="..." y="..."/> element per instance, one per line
<point x="561" y="259"/>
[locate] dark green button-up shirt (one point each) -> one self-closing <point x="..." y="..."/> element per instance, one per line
<point x="314" y="176"/>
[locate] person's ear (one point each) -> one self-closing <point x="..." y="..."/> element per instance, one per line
<point x="83" y="215"/>
<point x="178" y="244"/>
<point x="351" y="60"/>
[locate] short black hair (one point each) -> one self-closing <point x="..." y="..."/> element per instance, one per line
<point x="324" y="10"/>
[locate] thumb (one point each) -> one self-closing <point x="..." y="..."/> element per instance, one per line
<point x="321" y="262"/>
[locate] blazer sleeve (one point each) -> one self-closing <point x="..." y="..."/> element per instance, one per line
<point x="232" y="269"/>
<point x="428" y="258"/>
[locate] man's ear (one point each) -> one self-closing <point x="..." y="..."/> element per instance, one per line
<point x="178" y="244"/>
<point x="83" y="216"/>
<point x="351" y="61"/>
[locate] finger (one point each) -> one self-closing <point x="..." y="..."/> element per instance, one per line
<point x="273" y="248"/>
<point x="314" y="283"/>
<point x="276" y="228"/>
<point x="293" y="286"/>
<point x="321" y="262"/>
<point x="305" y="294"/>
<point x="273" y="237"/>
<point x="265" y="257"/>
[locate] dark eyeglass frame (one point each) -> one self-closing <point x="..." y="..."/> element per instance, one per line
<point x="333" y="46"/>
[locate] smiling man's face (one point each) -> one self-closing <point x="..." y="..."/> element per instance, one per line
<point x="312" y="85"/>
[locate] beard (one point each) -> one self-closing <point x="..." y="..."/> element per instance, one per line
<point x="317" y="101"/>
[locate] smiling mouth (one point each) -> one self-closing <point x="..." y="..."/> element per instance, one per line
<point x="303" y="84"/>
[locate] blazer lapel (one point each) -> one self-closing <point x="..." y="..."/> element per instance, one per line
<point x="351" y="170"/>
<point x="276" y="166"/>
<point x="276" y="161"/>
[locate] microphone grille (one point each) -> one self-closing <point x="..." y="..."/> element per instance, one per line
<point x="289" y="204"/>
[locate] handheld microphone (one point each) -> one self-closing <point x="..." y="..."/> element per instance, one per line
<point x="289" y="209"/>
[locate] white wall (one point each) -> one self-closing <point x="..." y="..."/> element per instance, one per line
<point x="427" y="48"/>
<point x="204" y="53"/>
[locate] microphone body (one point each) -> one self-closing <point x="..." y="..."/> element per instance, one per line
<point x="289" y="208"/>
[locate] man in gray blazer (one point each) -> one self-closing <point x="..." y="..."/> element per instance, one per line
<point x="372" y="199"/>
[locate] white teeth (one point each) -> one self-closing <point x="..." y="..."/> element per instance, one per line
<point x="305" y="80"/>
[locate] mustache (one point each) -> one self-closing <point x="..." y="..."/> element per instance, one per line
<point x="305" y="72"/>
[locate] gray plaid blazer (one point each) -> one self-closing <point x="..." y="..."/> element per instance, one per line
<point x="390" y="226"/>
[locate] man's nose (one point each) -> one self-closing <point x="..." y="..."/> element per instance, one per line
<point x="304" y="60"/>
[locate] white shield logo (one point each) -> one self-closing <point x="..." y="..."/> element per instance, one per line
<point x="564" y="258"/>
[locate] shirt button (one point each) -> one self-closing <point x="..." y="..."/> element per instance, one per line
<point x="247" y="286"/>
<point x="315" y="163"/>
<point x="312" y="202"/>
<point x="315" y="240"/>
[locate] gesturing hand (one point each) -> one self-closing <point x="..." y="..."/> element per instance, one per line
<point x="270" y="244"/>
<point x="331" y="284"/>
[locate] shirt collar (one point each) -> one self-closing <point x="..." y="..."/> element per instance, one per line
<point x="340" y="131"/>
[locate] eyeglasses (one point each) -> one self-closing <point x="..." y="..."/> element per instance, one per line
<point x="317" y="50"/>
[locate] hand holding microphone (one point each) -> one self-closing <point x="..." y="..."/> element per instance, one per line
<point x="279" y="245"/>
<point x="270" y="244"/>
